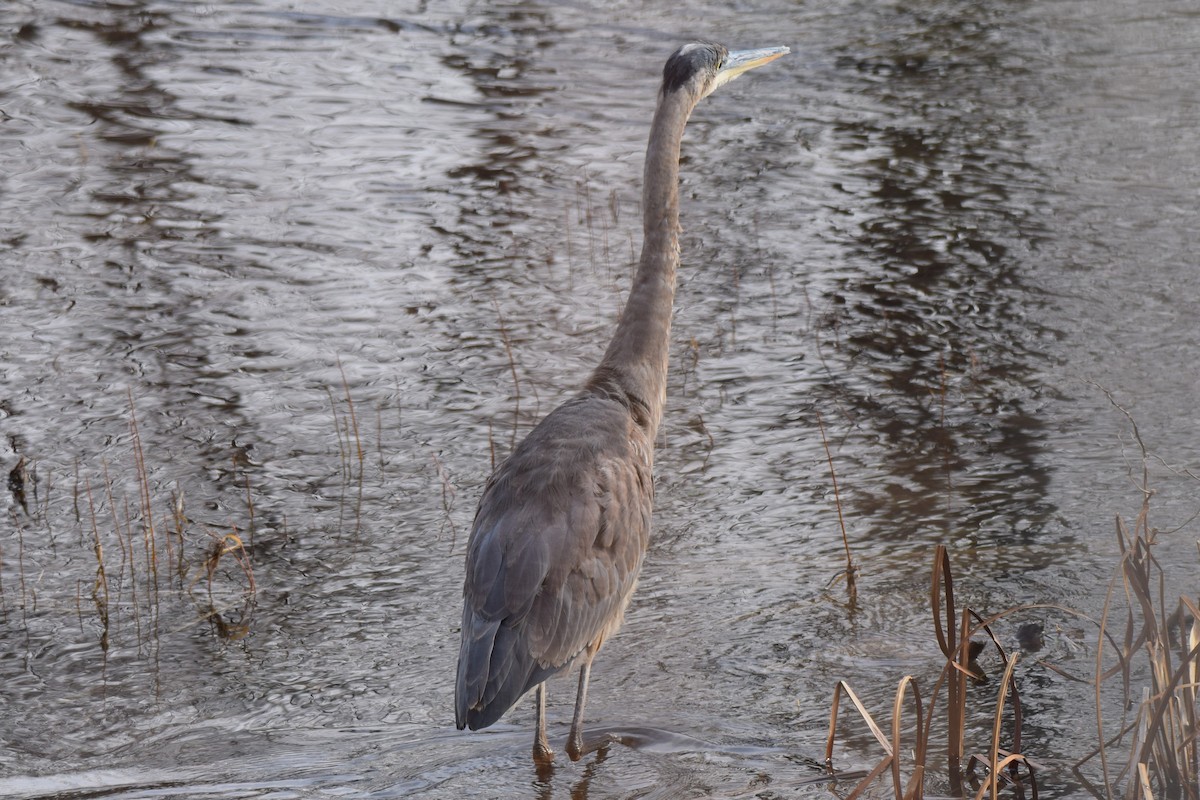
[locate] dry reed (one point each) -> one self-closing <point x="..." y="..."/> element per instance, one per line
<point x="134" y="554"/>
<point x="851" y="570"/>
<point x="953" y="630"/>
<point x="1158" y="756"/>
<point x="1153" y="752"/>
<point x="448" y="495"/>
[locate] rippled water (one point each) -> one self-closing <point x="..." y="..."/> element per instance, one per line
<point x="291" y="276"/>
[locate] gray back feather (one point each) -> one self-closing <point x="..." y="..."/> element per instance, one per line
<point x="554" y="552"/>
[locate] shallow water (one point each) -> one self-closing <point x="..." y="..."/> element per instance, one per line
<point x="332" y="259"/>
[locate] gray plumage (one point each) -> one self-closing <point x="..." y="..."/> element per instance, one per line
<point x="563" y="524"/>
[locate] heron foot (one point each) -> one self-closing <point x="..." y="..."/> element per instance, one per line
<point x="578" y="747"/>
<point x="542" y="754"/>
<point x="575" y="748"/>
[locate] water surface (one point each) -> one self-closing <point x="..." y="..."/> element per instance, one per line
<point x="284" y="280"/>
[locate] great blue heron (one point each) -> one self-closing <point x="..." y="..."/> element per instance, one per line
<point x="563" y="524"/>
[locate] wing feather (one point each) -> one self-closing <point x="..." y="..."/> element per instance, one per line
<point x="554" y="553"/>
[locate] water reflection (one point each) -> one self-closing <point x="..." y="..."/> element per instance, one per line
<point x="580" y="786"/>
<point x="496" y="179"/>
<point x="139" y="312"/>
<point x="934" y="332"/>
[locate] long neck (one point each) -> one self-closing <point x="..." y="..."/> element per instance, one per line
<point x="635" y="363"/>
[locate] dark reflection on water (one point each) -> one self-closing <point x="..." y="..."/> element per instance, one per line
<point x="332" y="262"/>
<point x="938" y="329"/>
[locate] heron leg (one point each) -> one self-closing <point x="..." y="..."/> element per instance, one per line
<point x="575" y="740"/>
<point x="542" y="754"/>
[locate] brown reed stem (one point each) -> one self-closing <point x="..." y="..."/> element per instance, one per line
<point x="100" y="595"/>
<point x="353" y="418"/>
<point x="953" y="651"/>
<point x="337" y="429"/>
<point x="447" y="499"/>
<point x="851" y="569"/>
<point x="149" y="536"/>
<point x="512" y="368"/>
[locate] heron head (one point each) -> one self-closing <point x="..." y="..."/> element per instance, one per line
<point x="700" y="67"/>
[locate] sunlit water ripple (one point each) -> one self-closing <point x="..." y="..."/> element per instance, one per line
<point x="305" y="253"/>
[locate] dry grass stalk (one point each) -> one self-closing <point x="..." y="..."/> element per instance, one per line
<point x="100" y="594"/>
<point x="149" y="537"/>
<point x="337" y="429"/>
<point x="890" y="759"/>
<point x="997" y="760"/>
<point x="237" y="626"/>
<point x="955" y="647"/>
<point x="448" y="495"/>
<point x="348" y="469"/>
<point x="1162" y="760"/>
<point x="131" y="591"/>
<point x="174" y="537"/>
<point x="851" y="568"/>
<point x="24" y="603"/>
<point x="512" y="368"/>
<point x="3" y="600"/>
<point x="378" y="441"/>
<point x="351" y="453"/>
<point x="1162" y="747"/>
<point x="954" y="638"/>
<point x="358" y="448"/>
<point x="250" y="509"/>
